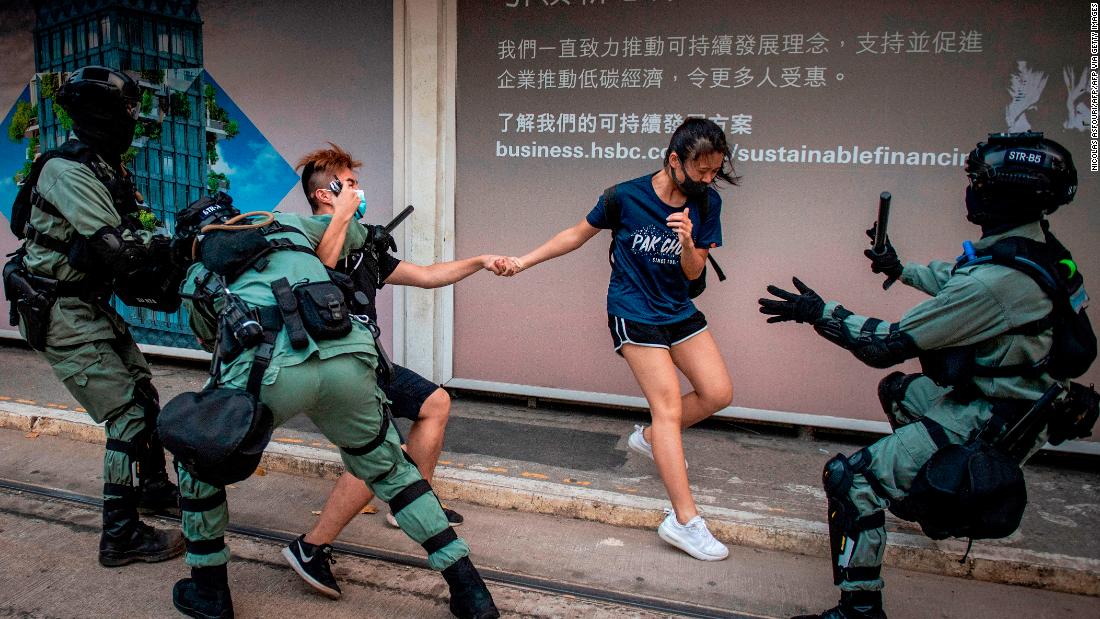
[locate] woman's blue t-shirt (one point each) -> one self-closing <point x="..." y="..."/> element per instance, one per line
<point x="647" y="283"/>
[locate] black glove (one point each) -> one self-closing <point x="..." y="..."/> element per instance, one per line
<point x="806" y="306"/>
<point x="381" y="240"/>
<point x="887" y="262"/>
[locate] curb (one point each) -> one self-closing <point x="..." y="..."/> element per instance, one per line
<point x="986" y="562"/>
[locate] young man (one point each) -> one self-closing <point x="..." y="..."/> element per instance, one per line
<point x="411" y="396"/>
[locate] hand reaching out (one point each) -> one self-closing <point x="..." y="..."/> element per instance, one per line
<point x="507" y="266"/>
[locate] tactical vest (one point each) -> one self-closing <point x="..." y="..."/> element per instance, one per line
<point x="1051" y="266"/>
<point x="120" y="186"/>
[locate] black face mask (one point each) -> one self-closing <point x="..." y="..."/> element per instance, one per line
<point x="109" y="135"/>
<point x="693" y="189"/>
<point x="975" y="208"/>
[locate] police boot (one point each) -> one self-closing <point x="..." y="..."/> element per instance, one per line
<point x="205" y="595"/>
<point x="126" y="539"/>
<point x="853" y="605"/>
<point x="470" y="599"/>
<point x="159" y="495"/>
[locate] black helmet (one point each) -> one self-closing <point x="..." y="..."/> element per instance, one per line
<point x="207" y="210"/>
<point x="104" y="106"/>
<point x="1018" y="177"/>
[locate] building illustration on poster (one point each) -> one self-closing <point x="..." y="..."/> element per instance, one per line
<point x="181" y="148"/>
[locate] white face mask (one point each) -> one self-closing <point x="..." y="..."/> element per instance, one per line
<point x="361" y="210"/>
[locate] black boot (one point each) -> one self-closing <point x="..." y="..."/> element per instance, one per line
<point x="126" y="539"/>
<point x="158" y="495"/>
<point x="853" y="605"/>
<point x="205" y="595"/>
<point x="470" y="599"/>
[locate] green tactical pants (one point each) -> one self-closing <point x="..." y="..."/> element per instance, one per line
<point x="110" y="379"/>
<point x="895" y="461"/>
<point x="341" y="397"/>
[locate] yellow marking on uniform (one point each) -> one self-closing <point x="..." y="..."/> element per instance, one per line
<point x="497" y="469"/>
<point x="294" y="441"/>
<point x="534" y="475"/>
<point x="21" y="401"/>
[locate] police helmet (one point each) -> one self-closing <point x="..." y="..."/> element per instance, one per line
<point x="104" y="106"/>
<point x="1018" y="177"/>
<point x="207" y="210"/>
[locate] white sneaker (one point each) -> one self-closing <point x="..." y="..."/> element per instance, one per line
<point x="638" y="443"/>
<point x="693" y="538"/>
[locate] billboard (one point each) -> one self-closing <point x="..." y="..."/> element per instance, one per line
<point x="825" y="105"/>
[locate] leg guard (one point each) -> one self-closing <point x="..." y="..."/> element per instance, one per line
<point x="470" y="598"/>
<point x="405" y="497"/>
<point x="204" y="515"/>
<point x="157" y="492"/>
<point x="845" y="521"/>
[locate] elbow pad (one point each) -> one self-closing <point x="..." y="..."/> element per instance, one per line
<point x="107" y="254"/>
<point x="874" y="350"/>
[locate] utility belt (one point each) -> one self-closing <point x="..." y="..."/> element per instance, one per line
<point x="31" y="297"/>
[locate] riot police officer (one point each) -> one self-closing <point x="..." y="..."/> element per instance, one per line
<point x="294" y="348"/>
<point x="77" y="214"/>
<point x="983" y="339"/>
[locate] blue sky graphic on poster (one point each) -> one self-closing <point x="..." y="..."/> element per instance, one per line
<point x="12" y="156"/>
<point x="258" y="175"/>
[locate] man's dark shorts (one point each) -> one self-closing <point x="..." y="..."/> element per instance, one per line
<point x="407" y="392"/>
<point x="625" y="331"/>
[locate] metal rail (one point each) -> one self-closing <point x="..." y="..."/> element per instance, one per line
<point x="641" y="602"/>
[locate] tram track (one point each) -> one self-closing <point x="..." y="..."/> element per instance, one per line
<point x="503" y="577"/>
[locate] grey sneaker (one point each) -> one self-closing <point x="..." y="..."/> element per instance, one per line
<point x="638" y="443"/>
<point x="693" y="538"/>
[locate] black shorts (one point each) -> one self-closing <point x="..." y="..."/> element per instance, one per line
<point x="407" y="392"/>
<point x="625" y="331"/>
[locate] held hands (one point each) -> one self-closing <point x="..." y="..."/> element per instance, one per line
<point x="806" y="306"/>
<point x="681" y="224"/>
<point x="887" y="262"/>
<point x="505" y="266"/>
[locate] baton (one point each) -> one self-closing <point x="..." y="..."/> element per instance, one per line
<point x="400" y="218"/>
<point x="1017" y="441"/>
<point x="883" y="221"/>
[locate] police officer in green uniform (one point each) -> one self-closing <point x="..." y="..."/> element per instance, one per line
<point x="979" y="311"/>
<point x="77" y="214"/>
<point x="324" y="371"/>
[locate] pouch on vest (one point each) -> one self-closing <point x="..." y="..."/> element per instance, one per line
<point x="323" y="309"/>
<point x="230" y="253"/>
<point x="218" y="434"/>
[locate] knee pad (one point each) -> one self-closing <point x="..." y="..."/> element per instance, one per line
<point x="891" y="391"/>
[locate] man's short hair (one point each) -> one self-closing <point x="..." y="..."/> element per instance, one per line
<point x="318" y="167"/>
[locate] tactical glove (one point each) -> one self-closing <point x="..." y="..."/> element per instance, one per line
<point x="806" y="306"/>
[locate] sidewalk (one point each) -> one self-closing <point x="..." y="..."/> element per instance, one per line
<point x="756" y="489"/>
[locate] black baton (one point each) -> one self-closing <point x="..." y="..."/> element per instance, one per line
<point x="881" y="224"/>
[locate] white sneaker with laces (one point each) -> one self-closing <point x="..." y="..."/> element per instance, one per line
<point x="693" y="538"/>
<point x="637" y="442"/>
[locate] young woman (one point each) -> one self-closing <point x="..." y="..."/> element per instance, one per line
<point x="663" y="226"/>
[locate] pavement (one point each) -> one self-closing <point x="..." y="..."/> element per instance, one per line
<point x="758" y="486"/>
<point x="48" y="566"/>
